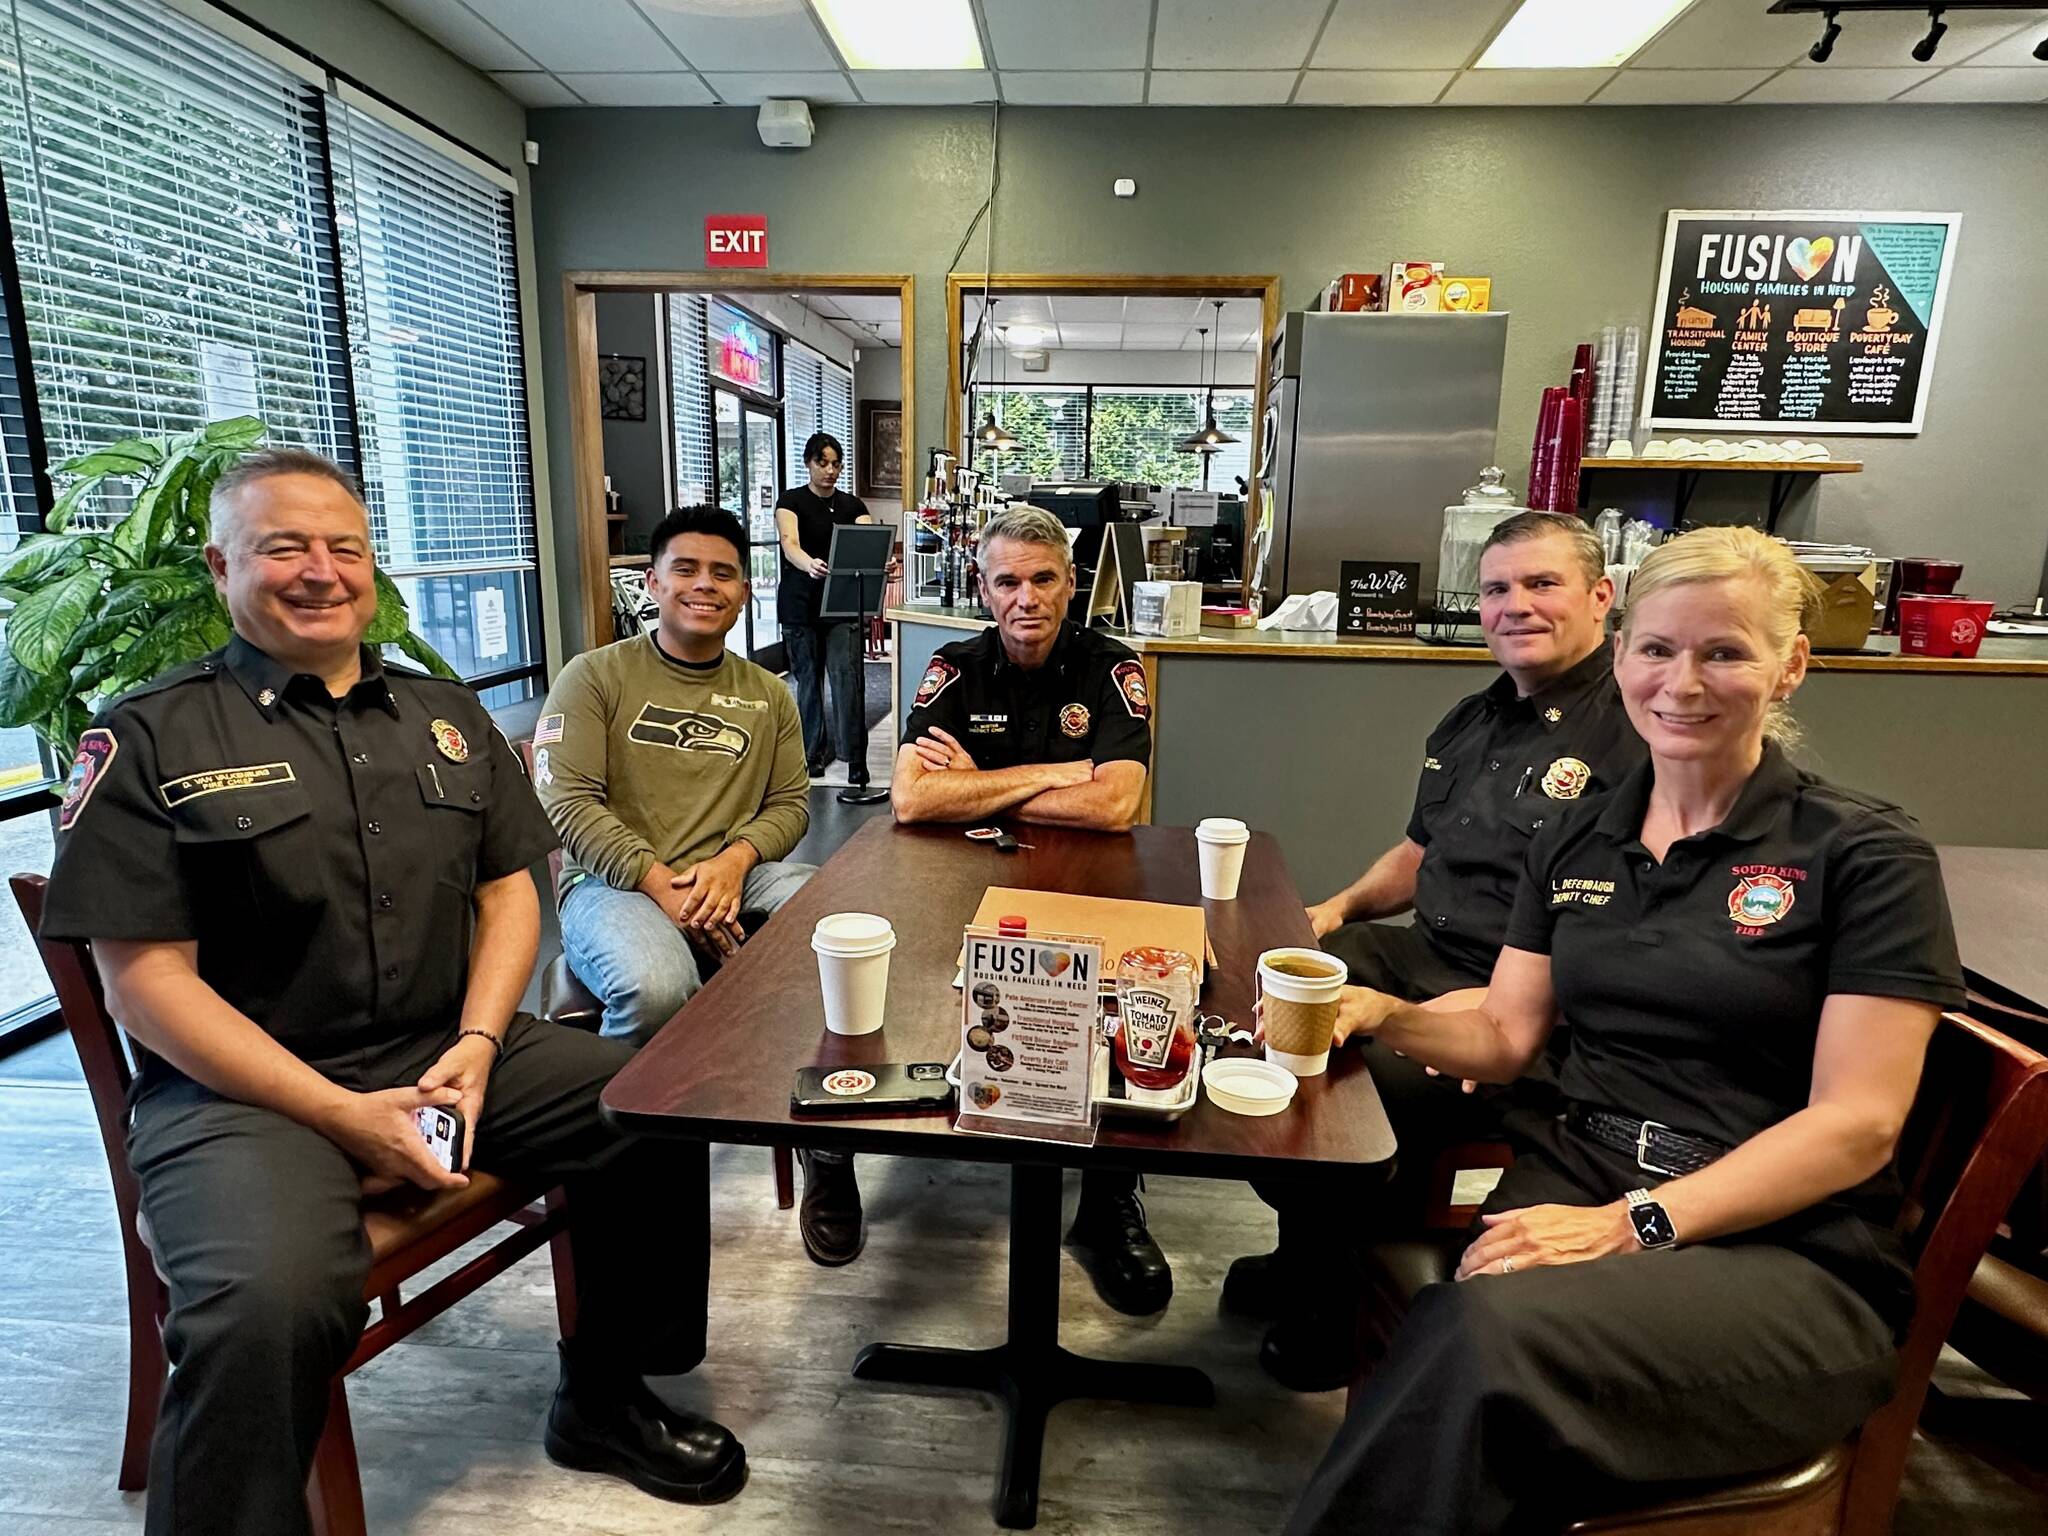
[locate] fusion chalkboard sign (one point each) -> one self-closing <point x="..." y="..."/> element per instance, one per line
<point x="1800" y="323"/>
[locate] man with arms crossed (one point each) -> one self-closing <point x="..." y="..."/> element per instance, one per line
<point x="304" y="879"/>
<point x="1547" y="731"/>
<point x="1048" y="722"/>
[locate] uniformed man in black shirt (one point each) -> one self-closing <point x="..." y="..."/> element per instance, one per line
<point x="304" y="879"/>
<point x="1549" y="730"/>
<point x="1049" y="722"/>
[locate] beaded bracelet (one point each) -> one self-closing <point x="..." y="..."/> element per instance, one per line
<point x="485" y="1034"/>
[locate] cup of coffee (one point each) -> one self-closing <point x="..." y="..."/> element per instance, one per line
<point x="1300" y="988"/>
<point x="853" y="967"/>
<point x="1220" y="842"/>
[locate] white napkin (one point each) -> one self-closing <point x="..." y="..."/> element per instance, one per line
<point x="1311" y="611"/>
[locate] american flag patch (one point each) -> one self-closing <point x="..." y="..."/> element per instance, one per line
<point x="546" y="730"/>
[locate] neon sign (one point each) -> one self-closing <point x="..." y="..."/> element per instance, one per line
<point x="741" y="356"/>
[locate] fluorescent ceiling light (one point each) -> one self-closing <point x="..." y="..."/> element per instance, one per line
<point x="903" y="34"/>
<point x="1577" y="34"/>
<point x="1025" y="336"/>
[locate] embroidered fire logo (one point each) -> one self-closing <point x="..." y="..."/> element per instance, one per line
<point x="1130" y="682"/>
<point x="936" y="677"/>
<point x="688" y="730"/>
<point x="1760" y="900"/>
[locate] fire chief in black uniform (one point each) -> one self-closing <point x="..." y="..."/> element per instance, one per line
<point x="1502" y="764"/>
<point x="1048" y="722"/>
<point x="1693" y="1273"/>
<point x="304" y="879"/>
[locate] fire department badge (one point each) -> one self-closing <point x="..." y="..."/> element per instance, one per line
<point x="1566" y="779"/>
<point x="448" y="741"/>
<point x="1759" y="900"/>
<point x="96" y="749"/>
<point x="1130" y="682"/>
<point x="1074" y="720"/>
<point x="937" y="678"/>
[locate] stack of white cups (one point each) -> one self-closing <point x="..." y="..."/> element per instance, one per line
<point x="1220" y="841"/>
<point x="853" y="967"/>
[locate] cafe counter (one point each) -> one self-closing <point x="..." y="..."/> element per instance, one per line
<point x="1319" y="740"/>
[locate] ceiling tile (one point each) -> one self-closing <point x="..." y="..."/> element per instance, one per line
<point x="589" y="35"/>
<point x="1092" y="337"/>
<point x="826" y="304"/>
<point x="1984" y="85"/>
<point x="1086" y="307"/>
<point x="2016" y="52"/>
<point x="462" y="32"/>
<point x="1154" y="338"/>
<point x="1837" y="85"/>
<point x="750" y="90"/>
<point x="1074" y="88"/>
<point x="1221" y="87"/>
<point x="891" y="332"/>
<point x="1067" y="34"/>
<point x="764" y="35"/>
<point x="668" y="88"/>
<point x="1228" y="34"/>
<point x="1371" y="87"/>
<point x="869" y="307"/>
<point x="1397" y="34"/>
<point x="1178" y="312"/>
<point x="1729" y="34"/>
<point x="533" y="89"/>
<point x="924" y="87"/>
<point x="1884" y="40"/>
<point x="1525" y="87"/>
<point x="1678" y="87"/>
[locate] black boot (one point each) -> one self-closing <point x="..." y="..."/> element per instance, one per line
<point x="1249" y="1288"/>
<point x="606" y="1420"/>
<point x="1110" y="1240"/>
<point x="1313" y="1350"/>
<point x="834" y="1230"/>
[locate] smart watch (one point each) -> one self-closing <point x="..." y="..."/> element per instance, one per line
<point x="1651" y="1221"/>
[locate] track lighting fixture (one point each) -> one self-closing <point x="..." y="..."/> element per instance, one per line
<point x="1924" y="49"/>
<point x="1820" y="51"/>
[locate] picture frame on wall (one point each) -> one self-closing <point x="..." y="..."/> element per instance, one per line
<point x="881" y="448"/>
<point x="622" y="387"/>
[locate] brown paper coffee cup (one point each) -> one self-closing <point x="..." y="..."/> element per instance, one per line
<point x="1301" y="988"/>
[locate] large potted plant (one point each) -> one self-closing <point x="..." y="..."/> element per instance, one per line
<point x="99" y="610"/>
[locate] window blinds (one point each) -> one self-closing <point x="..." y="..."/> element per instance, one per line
<point x="835" y="413"/>
<point x="689" y="395"/>
<point x="803" y="400"/>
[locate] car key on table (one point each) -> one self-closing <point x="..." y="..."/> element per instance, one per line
<point x="1003" y="841"/>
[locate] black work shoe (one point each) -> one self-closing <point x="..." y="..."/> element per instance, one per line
<point x="617" y="1426"/>
<point x="1250" y="1288"/>
<point x="1110" y="1240"/>
<point x="1310" y="1352"/>
<point x="830" y="1218"/>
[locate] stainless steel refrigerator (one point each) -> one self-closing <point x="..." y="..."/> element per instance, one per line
<point x="1374" y="424"/>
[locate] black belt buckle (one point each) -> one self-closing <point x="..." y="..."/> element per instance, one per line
<point x="1643" y="1150"/>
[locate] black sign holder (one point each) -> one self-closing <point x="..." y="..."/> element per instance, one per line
<point x="856" y="575"/>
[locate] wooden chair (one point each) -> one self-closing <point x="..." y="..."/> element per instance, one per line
<point x="408" y="1231"/>
<point x="1979" y="1125"/>
<point x="566" y="1000"/>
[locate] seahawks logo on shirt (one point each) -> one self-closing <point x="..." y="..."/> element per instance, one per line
<point x="688" y="730"/>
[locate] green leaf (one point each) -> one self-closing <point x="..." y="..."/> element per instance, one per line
<point x="416" y="648"/>
<point x="41" y="557"/>
<point x="393" y="618"/>
<point x="238" y="432"/>
<point x="42" y="626"/>
<point x="165" y="644"/>
<point x="130" y="456"/>
<point x="140" y="533"/>
<point x="27" y="696"/>
<point x="66" y="505"/>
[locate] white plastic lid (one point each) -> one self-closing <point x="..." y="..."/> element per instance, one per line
<point x="1248" y="1086"/>
<point x="1222" y="829"/>
<point x="852" y="934"/>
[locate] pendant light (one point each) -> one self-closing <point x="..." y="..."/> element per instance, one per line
<point x="991" y="434"/>
<point x="1212" y="438"/>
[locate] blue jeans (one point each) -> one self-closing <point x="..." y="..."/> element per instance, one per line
<point x="821" y="655"/>
<point x="636" y="962"/>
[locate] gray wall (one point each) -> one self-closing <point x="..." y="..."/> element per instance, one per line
<point x="634" y="452"/>
<point x="1563" y="207"/>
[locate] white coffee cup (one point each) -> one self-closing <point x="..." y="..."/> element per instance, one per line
<point x="1309" y="1004"/>
<point x="1220" y="842"/>
<point x="853" y="967"/>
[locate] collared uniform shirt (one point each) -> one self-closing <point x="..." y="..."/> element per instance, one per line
<point x="1495" y="772"/>
<point x="1087" y="702"/>
<point x="324" y="853"/>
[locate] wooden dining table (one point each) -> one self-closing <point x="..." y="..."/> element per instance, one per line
<point x="722" y="1070"/>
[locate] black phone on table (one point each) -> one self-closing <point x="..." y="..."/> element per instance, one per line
<point x="863" y="1090"/>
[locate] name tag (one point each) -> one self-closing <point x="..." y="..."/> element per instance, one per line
<point x="987" y="725"/>
<point x="176" y="792"/>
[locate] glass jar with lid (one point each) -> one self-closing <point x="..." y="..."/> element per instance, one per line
<point x="1481" y="509"/>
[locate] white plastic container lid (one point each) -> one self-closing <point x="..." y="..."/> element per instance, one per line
<point x="1245" y="1085"/>
<point x="851" y="935"/>
<point x="1222" y="829"/>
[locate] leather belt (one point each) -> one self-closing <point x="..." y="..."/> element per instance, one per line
<point x="1655" y="1146"/>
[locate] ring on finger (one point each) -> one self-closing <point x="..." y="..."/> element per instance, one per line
<point x="1507" y="1266"/>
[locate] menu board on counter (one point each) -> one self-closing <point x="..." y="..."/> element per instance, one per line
<point x="1801" y="323"/>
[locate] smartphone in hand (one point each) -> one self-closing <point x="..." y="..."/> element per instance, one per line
<point x="441" y="1130"/>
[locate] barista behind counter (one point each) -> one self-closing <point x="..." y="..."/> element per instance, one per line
<point x="1314" y="739"/>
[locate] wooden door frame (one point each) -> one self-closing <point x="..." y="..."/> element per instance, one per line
<point x="1264" y="288"/>
<point x="586" y="417"/>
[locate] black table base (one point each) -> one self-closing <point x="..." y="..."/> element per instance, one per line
<point x="1031" y="1372"/>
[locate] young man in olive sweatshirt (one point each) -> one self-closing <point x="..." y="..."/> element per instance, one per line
<point x="674" y="772"/>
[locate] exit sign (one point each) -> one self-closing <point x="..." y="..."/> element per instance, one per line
<point x="736" y="240"/>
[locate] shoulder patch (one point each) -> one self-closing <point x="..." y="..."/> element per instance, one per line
<point x="1130" y="684"/>
<point x="547" y="730"/>
<point x="938" y="677"/>
<point x="96" y="749"/>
